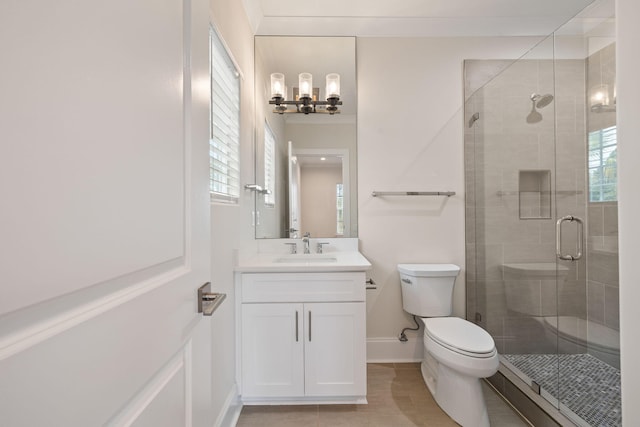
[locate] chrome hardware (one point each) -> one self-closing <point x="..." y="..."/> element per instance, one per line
<point x="372" y="283"/>
<point x="305" y="242"/>
<point x="257" y="188"/>
<point x="405" y="280"/>
<point x="319" y="248"/>
<point x="296" y="325"/>
<point x="413" y="193"/>
<point x="293" y="247"/>
<point x="569" y="218"/>
<point x="208" y="302"/>
<point x="309" y="325"/>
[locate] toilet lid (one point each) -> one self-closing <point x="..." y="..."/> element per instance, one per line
<point x="460" y="335"/>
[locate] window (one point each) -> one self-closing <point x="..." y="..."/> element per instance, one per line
<point x="224" y="143"/>
<point x="603" y="165"/>
<point x="269" y="166"/>
<point x="339" y="210"/>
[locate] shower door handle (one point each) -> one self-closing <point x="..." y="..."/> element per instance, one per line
<point x="569" y="218"/>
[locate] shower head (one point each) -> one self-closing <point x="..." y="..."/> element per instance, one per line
<point x="541" y="101"/>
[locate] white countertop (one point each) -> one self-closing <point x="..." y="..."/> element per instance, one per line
<point x="274" y="257"/>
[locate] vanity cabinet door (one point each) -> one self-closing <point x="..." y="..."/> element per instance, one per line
<point x="272" y="350"/>
<point x="335" y="349"/>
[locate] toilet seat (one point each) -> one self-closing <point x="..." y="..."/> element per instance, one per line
<point x="460" y="336"/>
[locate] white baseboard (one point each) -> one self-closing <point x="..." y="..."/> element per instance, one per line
<point x="392" y="350"/>
<point x="230" y="412"/>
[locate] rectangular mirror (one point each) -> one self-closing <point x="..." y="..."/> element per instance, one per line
<point x="305" y="163"/>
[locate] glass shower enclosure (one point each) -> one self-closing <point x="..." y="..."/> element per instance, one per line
<point x="541" y="216"/>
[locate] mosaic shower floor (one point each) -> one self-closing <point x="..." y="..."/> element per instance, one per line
<point x="588" y="387"/>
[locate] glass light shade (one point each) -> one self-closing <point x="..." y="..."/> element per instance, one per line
<point x="333" y="85"/>
<point x="599" y="96"/>
<point x="305" y="85"/>
<point x="277" y="85"/>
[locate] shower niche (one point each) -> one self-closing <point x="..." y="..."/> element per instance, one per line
<point x="534" y="194"/>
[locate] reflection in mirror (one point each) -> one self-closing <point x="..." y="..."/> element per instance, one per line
<point x="307" y="162"/>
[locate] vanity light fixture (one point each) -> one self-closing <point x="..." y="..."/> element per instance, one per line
<point x="599" y="99"/>
<point x="305" y="102"/>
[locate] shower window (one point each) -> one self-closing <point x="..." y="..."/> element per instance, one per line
<point x="603" y="165"/>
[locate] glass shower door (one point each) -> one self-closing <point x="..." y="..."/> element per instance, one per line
<point x="512" y="207"/>
<point x="540" y="163"/>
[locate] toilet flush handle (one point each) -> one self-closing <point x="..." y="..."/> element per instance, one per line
<point x="405" y="280"/>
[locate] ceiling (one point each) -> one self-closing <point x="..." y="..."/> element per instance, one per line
<point x="431" y="18"/>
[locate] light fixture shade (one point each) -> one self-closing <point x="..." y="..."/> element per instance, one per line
<point x="277" y="86"/>
<point x="305" y="85"/>
<point x="333" y="85"/>
<point x="599" y="96"/>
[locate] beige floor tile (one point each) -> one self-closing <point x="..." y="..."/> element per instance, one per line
<point x="397" y="397"/>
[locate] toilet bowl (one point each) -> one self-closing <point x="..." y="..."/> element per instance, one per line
<point x="457" y="352"/>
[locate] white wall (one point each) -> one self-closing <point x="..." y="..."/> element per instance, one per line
<point x="410" y="138"/>
<point x="628" y="93"/>
<point x="231" y="224"/>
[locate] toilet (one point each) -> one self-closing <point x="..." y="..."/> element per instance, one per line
<point x="457" y="352"/>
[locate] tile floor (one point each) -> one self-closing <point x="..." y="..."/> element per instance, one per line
<point x="397" y="397"/>
<point x="586" y="385"/>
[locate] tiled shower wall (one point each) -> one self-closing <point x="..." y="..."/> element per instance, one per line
<point x="602" y="270"/>
<point x="503" y="142"/>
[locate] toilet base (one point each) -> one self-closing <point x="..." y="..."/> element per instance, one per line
<point x="460" y="396"/>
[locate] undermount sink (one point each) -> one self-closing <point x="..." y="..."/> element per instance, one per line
<point x="307" y="258"/>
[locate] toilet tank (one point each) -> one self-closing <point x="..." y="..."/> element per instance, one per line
<point x="427" y="289"/>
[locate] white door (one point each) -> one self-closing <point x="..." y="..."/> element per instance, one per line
<point x="335" y="355"/>
<point x="272" y="350"/>
<point x="295" y="226"/>
<point x="104" y="220"/>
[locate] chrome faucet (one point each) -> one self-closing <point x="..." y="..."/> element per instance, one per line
<point x="305" y="242"/>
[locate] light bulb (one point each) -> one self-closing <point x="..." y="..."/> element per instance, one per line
<point x="277" y="85"/>
<point x="306" y="85"/>
<point x="333" y="86"/>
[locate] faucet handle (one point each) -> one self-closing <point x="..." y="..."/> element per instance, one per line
<point x="320" y="244"/>
<point x="294" y="247"/>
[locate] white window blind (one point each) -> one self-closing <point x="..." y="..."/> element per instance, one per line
<point x="269" y="166"/>
<point x="339" y="209"/>
<point x="603" y="165"/>
<point x="224" y="145"/>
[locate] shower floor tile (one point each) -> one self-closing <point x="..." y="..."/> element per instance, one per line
<point x="588" y="387"/>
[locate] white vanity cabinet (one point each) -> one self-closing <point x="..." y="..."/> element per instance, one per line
<point x="303" y="337"/>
